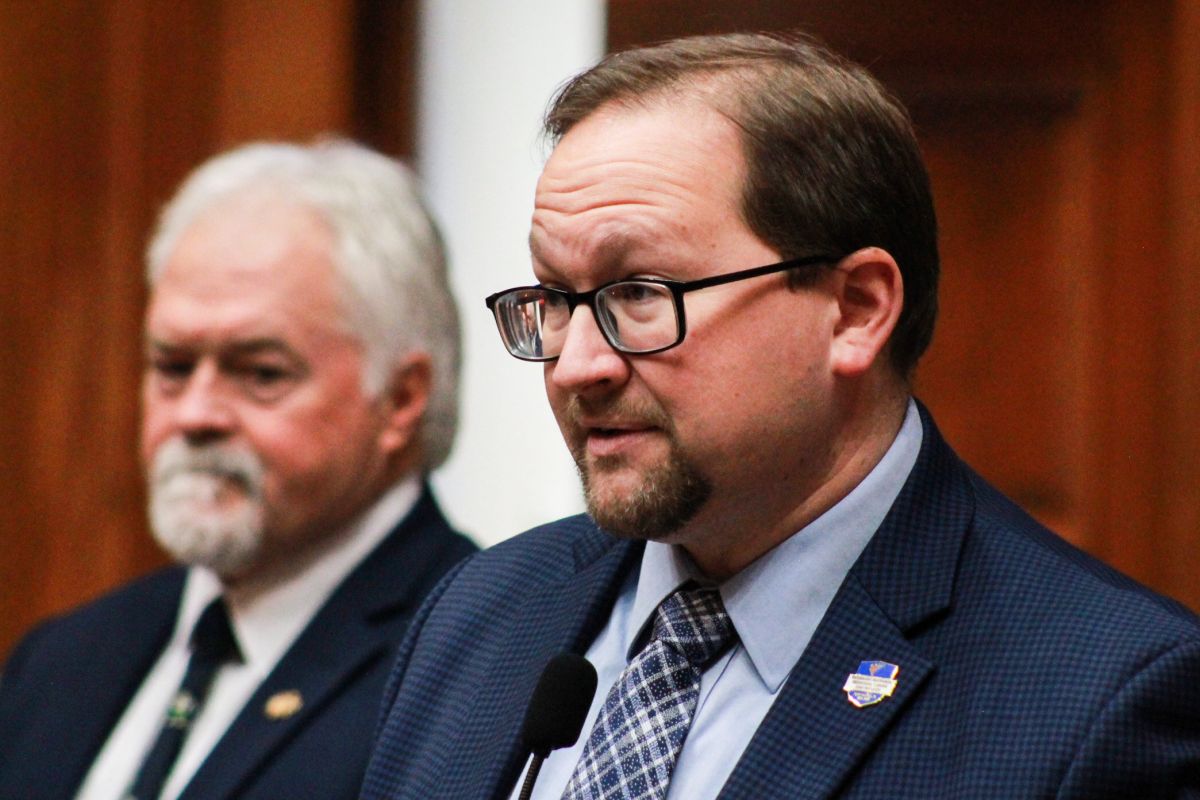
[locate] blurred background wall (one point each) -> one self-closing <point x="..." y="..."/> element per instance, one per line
<point x="1063" y="139"/>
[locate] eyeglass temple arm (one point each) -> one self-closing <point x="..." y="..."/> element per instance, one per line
<point x="782" y="266"/>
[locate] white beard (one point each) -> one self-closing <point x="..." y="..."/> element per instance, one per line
<point x="206" y="505"/>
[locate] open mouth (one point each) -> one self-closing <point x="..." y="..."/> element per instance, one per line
<point x="606" y="432"/>
<point x="603" y="441"/>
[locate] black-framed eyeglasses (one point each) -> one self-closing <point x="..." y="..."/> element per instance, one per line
<point x="638" y="316"/>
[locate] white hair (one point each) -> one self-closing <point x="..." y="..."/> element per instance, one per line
<point x="389" y="255"/>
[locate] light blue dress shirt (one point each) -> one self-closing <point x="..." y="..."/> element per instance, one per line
<point x="775" y="603"/>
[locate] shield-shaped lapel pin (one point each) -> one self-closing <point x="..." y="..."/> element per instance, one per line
<point x="873" y="681"/>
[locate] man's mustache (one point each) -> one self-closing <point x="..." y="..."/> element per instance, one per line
<point x="177" y="458"/>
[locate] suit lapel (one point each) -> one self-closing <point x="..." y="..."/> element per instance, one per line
<point x="565" y="616"/>
<point x="120" y="653"/>
<point x="360" y="623"/>
<point x="315" y="670"/>
<point x="813" y="737"/>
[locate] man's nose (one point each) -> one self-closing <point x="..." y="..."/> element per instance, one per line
<point x="204" y="409"/>
<point x="587" y="360"/>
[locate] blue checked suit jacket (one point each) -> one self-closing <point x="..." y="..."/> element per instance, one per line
<point x="1027" y="669"/>
<point x="68" y="682"/>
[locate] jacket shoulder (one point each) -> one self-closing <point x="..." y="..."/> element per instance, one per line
<point x="1045" y="567"/>
<point x="499" y="579"/>
<point x="105" y="617"/>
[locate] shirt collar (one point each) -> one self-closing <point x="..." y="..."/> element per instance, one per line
<point x="777" y="602"/>
<point x="268" y="623"/>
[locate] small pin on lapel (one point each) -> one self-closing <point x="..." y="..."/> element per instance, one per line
<point x="282" y="705"/>
<point x="182" y="709"/>
<point x="873" y="681"/>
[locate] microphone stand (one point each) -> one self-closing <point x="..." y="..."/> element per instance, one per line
<point x="535" y="766"/>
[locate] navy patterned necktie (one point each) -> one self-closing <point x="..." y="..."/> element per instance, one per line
<point x="213" y="644"/>
<point x="631" y="751"/>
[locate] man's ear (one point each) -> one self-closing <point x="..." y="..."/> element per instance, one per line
<point x="870" y="295"/>
<point x="406" y="398"/>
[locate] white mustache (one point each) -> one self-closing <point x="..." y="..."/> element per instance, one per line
<point x="177" y="459"/>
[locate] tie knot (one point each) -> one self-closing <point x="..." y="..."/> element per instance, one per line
<point x="212" y="638"/>
<point x="693" y="621"/>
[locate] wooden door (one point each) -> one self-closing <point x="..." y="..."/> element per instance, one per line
<point x="1063" y="141"/>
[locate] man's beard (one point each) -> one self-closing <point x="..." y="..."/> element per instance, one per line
<point x="670" y="494"/>
<point x="189" y="516"/>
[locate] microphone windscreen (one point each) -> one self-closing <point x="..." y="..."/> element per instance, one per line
<point x="559" y="705"/>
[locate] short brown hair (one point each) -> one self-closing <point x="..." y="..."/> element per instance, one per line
<point x="832" y="160"/>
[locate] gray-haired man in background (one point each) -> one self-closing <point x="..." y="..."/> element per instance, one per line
<point x="302" y="350"/>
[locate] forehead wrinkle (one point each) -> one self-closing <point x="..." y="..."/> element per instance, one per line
<point x="605" y="182"/>
<point x="608" y="219"/>
<point x="605" y="249"/>
<point x="621" y="193"/>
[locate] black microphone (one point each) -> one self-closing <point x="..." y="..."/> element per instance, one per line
<point x="557" y="710"/>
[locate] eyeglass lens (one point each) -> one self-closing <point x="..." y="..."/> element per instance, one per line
<point x="634" y="316"/>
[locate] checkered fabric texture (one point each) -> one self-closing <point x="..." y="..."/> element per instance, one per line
<point x="632" y="748"/>
<point x="1028" y="669"/>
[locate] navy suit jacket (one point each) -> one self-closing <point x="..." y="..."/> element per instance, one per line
<point x="1027" y="668"/>
<point x="68" y="682"/>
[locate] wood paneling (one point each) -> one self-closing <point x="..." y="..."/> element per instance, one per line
<point x="107" y="104"/>
<point x="385" y="85"/>
<point x="285" y="69"/>
<point x="70" y="486"/>
<point x="1061" y="140"/>
<point x="1061" y="137"/>
<point x="1180" y="284"/>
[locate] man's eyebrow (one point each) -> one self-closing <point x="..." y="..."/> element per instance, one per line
<point x="609" y="253"/>
<point x="535" y="249"/>
<point x="153" y="343"/>
<point x="538" y="252"/>
<point x="241" y="347"/>
<point x="258" y="345"/>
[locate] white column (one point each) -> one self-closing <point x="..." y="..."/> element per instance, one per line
<point x="488" y="68"/>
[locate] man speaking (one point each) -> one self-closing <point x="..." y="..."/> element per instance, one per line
<point x="788" y="583"/>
